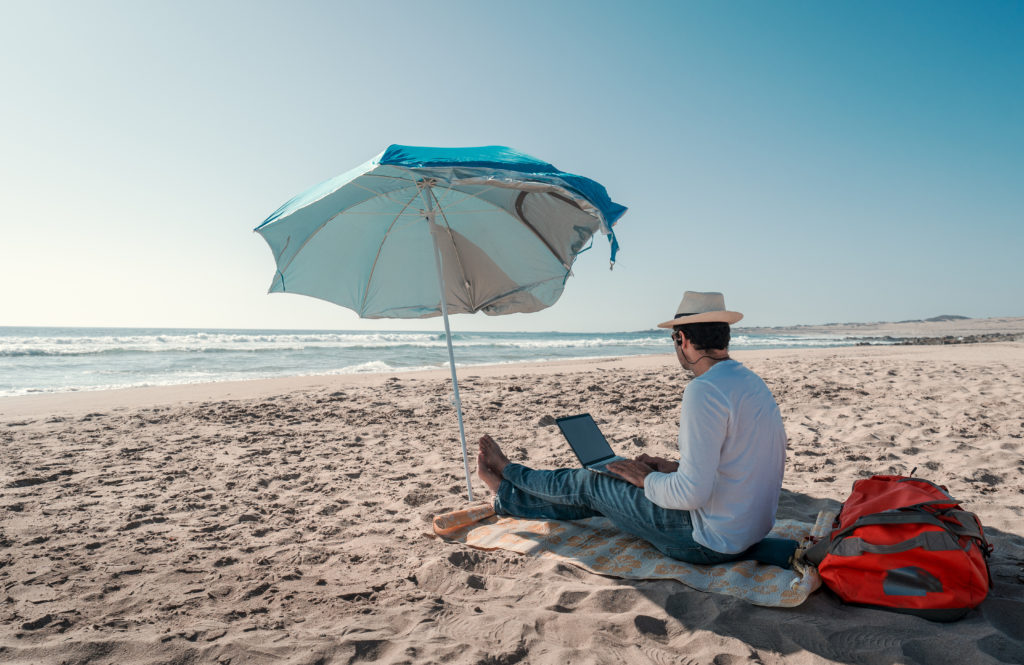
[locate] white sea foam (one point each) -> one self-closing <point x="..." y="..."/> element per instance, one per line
<point x="54" y="360"/>
<point x="789" y="341"/>
<point x="372" y="367"/>
<point x="228" y="342"/>
<point x="205" y="343"/>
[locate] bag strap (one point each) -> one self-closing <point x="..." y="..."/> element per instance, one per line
<point x="930" y="483"/>
<point x="959" y="522"/>
<point x="908" y="515"/>
<point x="965" y="525"/>
<point x="934" y="541"/>
<point x="815" y="554"/>
<point x="932" y="504"/>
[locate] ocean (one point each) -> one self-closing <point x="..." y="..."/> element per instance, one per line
<point x="47" y="360"/>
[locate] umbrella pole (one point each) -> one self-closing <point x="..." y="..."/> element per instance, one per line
<point x="448" y="337"/>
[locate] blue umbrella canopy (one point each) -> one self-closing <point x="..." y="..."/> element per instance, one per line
<point x="419" y="232"/>
<point x="508" y="228"/>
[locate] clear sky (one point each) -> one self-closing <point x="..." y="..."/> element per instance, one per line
<point x="816" y="161"/>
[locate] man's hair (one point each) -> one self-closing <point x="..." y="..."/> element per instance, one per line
<point x="708" y="335"/>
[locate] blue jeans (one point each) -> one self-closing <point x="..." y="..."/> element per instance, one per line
<point x="575" y="494"/>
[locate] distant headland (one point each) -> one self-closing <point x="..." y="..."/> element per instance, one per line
<point x="942" y="329"/>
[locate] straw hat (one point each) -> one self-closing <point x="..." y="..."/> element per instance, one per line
<point x="698" y="307"/>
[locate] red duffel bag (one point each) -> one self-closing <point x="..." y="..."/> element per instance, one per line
<point x="905" y="544"/>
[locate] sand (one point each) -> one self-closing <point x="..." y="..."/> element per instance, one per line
<point x="289" y="521"/>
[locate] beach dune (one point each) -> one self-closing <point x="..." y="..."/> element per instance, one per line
<point x="288" y="521"/>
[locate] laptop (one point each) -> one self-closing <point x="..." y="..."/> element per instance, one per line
<point x="588" y="443"/>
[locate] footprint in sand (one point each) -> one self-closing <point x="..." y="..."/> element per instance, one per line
<point x="649" y="626"/>
<point x="568" y="600"/>
<point x="365" y="651"/>
<point x="614" y="601"/>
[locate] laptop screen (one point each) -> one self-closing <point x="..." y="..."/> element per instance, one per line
<point x="585" y="438"/>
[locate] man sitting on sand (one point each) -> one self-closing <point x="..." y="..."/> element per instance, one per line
<point x="718" y="500"/>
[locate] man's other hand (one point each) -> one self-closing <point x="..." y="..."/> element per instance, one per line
<point x="659" y="463"/>
<point x="632" y="471"/>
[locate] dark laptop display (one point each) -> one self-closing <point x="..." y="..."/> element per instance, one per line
<point x="587" y="441"/>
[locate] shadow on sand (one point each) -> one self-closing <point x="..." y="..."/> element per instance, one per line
<point x="827" y="629"/>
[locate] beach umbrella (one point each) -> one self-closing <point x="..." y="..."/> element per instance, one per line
<point x="418" y="232"/>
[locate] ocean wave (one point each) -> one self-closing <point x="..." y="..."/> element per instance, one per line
<point x="62" y="360"/>
<point x="368" y="342"/>
<point x="200" y="377"/>
<point x="13" y="347"/>
<point x="787" y="341"/>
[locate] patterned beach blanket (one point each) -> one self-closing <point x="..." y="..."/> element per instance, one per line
<point x="597" y="546"/>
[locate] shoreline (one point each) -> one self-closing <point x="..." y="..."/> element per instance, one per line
<point x="126" y="397"/>
<point x="136" y="397"/>
<point x="120" y="399"/>
<point x="80" y="373"/>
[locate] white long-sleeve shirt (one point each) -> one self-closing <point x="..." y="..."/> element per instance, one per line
<point x="732" y="455"/>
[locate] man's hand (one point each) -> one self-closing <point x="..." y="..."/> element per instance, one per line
<point x="658" y="463"/>
<point x="632" y="471"/>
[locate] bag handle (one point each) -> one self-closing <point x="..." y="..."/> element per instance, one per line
<point x="907" y="515"/>
<point x="929" y="483"/>
<point x="933" y="541"/>
<point x="966" y="524"/>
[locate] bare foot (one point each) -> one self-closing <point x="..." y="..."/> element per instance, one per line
<point x="490" y="478"/>
<point x="493" y="458"/>
<point x="490" y="462"/>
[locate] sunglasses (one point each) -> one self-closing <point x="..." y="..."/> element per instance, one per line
<point x="677" y="338"/>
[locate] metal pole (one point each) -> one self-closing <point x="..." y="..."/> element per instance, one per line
<point x="429" y="199"/>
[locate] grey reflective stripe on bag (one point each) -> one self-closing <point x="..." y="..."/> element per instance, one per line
<point x="910" y="515"/>
<point x="966" y="525"/>
<point x="935" y="541"/>
<point x="815" y="554"/>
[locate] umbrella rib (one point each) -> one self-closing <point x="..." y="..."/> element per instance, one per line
<point x="473" y="306"/>
<point x="453" y="213"/>
<point x="413" y="175"/>
<point x="455" y="248"/>
<point x="521" y="217"/>
<point x="376" y="194"/>
<point x="380" y="248"/>
<point x="382" y="175"/>
<point x="526" y="222"/>
<point x="470" y="195"/>
<point x="330" y="219"/>
<point x="524" y="287"/>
